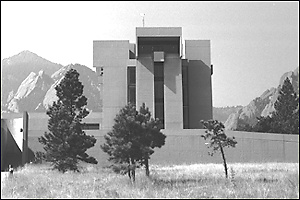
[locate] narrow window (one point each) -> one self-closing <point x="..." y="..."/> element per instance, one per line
<point x="131" y="85"/>
<point x="185" y="96"/>
<point x="159" y="91"/>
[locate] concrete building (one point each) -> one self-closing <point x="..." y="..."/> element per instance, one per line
<point x="175" y="86"/>
<point x="14" y="141"/>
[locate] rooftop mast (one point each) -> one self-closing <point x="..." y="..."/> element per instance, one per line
<point x="143" y="16"/>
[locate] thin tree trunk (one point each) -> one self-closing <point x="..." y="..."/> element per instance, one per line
<point x="147" y="167"/>
<point x="128" y="170"/>
<point x="131" y="170"/>
<point x="224" y="160"/>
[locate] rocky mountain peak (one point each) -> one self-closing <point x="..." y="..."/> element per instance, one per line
<point x="32" y="89"/>
<point x="17" y="68"/>
<point x="22" y="57"/>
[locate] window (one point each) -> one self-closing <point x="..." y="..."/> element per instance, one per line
<point x="131" y="76"/>
<point x="159" y="92"/>
<point x="90" y="126"/>
<point x="185" y="96"/>
<point x="131" y="85"/>
<point x="131" y="94"/>
<point x="99" y="70"/>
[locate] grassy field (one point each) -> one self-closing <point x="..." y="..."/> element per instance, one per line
<point x="269" y="180"/>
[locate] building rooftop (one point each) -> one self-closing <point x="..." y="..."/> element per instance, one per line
<point x="158" y="31"/>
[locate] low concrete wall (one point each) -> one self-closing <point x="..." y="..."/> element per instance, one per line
<point x="188" y="147"/>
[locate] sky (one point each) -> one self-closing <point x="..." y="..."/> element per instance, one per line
<point x="252" y="43"/>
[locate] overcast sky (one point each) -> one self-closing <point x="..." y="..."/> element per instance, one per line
<point x="252" y="43"/>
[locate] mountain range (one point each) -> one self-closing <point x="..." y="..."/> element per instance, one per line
<point x="28" y="83"/>
<point x="262" y="105"/>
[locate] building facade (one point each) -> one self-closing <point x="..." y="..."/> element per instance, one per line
<point x="175" y="86"/>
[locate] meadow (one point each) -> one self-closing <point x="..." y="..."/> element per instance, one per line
<point x="247" y="180"/>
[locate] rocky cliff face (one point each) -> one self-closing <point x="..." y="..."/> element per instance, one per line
<point x="30" y="92"/>
<point x="37" y="91"/>
<point x="263" y="105"/>
<point x="17" y="68"/>
<point x="89" y="80"/>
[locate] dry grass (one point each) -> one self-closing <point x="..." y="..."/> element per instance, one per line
<point x="270" y="180"/>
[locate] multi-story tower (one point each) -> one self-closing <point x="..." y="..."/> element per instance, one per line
<point x="153" y="71"/>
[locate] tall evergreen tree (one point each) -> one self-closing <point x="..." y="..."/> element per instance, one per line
<point x="285" y="118"/>
<point x="66" y="143"/>
<point x="286" y="115"/>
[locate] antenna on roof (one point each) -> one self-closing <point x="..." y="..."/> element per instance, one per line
<point x="143" y="15"/>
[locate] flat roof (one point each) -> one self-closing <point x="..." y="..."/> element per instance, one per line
<point x="158" y="31"/>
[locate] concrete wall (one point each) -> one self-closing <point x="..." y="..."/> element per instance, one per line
<point x="158" y="31"/>
<point x="200" y="94"/>
<point x="199" y="83"/>
<point x="14" y="141"/>
<point x="145" y="82"/>
<point x="38" y="123"/>
<point x="188" y="147"/>
<point x="113" y="57"/>
<point x="173" y="92"/>
<point x="198" y="50"/>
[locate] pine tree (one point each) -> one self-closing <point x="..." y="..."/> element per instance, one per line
<point x="285" y="118"/>
<point x="66" y="143"/>
<point x="151" y="135"/>
<point x="218" y="139"/>
<point x="264" y="124"/>
<point x="286" y="115"/>
<point x="132" y="140"/>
